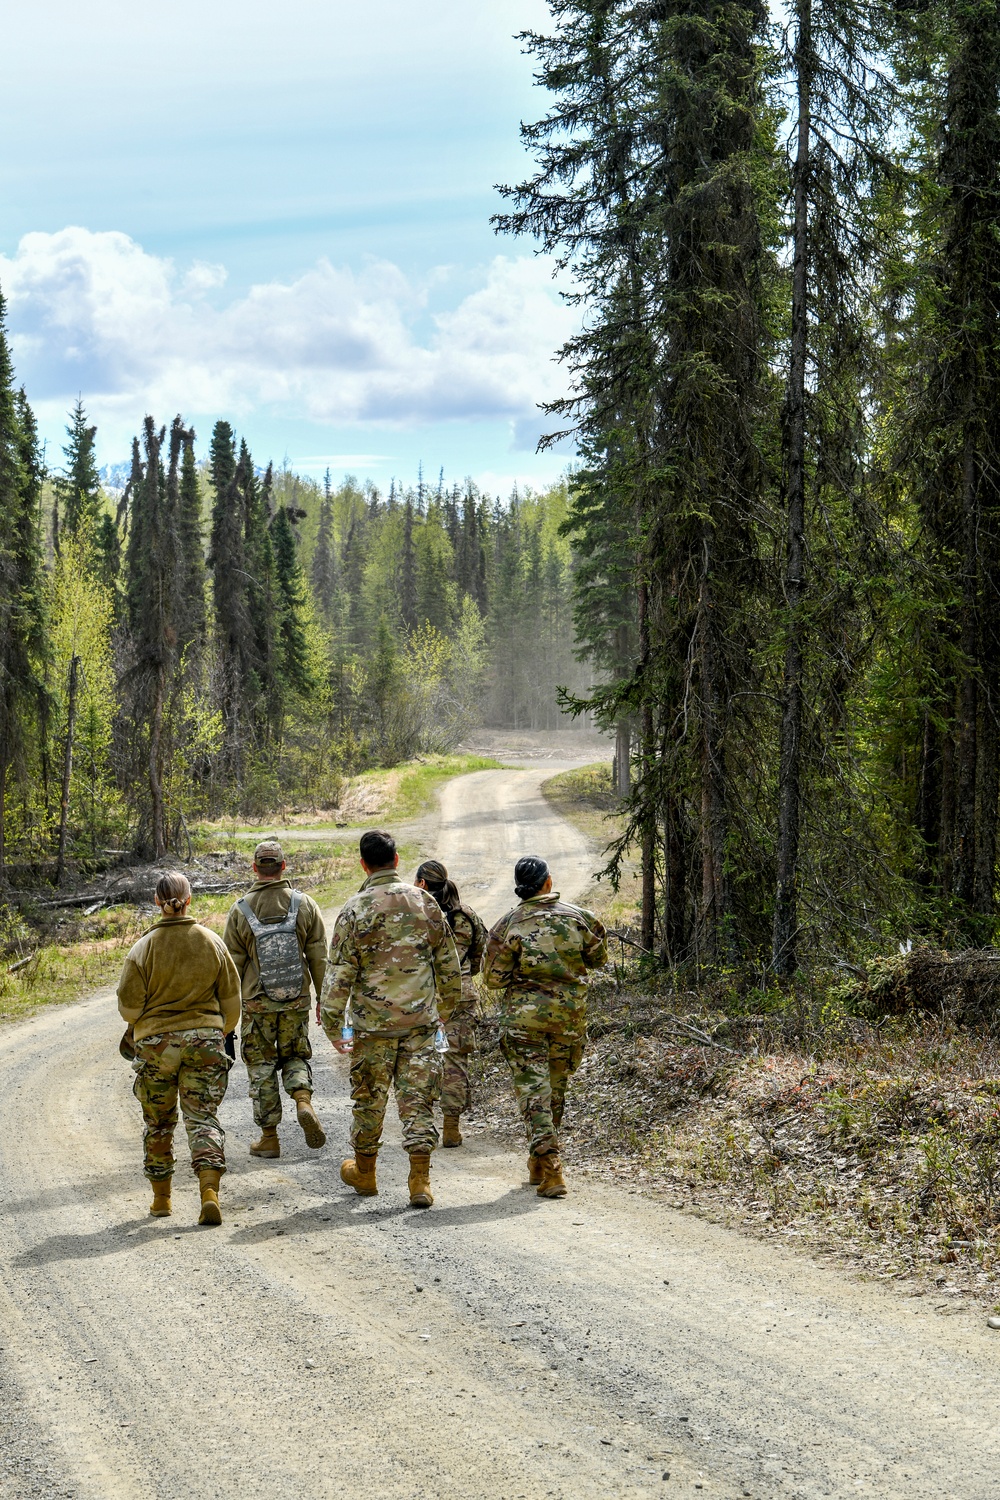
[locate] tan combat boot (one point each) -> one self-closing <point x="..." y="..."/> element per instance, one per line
<point x="420" y="1179"/>
<point x="552" y="1184"/>
<point x="160" y="1206"/>
<point x="211" y="1213"/>
<point x="452" y="1135"/>
<point x="268" y="1145"/>
<point x="358" y="1171"/>
<point x="309" y="1119"/>
<point x="534" y="1170"/>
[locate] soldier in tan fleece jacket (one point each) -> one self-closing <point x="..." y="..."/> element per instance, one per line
<point x="180" y="994"/>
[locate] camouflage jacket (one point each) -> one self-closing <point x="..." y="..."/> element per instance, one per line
<point x="393" y="958"/>
<point x="462" y="923"/>
<point x="538" y="955"/>
<point x="269" y="901"/>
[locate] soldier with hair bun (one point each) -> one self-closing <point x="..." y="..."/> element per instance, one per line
<point x="179" y="992"/>
<point x="470" y="939"/>
<point x="538" y="956"/>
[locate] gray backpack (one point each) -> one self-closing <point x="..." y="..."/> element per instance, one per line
<point x="279" y="956"/>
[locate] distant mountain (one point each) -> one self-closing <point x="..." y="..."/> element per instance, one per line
<point x="114" y="477"/>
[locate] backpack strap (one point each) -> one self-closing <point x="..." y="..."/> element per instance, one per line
<point x="257" y="926"/>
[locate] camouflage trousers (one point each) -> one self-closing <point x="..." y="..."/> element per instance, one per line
<point x="461" y="1031"/>
<point x="190" y="1067"/>
<point x="273" y="1042"/>
<point x="412" y="1065"/>
<point x="541" y="1065"/>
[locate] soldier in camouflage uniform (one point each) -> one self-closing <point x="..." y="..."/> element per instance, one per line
<point x="470" y="940"/>
<point x="274" y="1037"/>
<point x="394" y="970"/>
<point x="179" y="992"/>
<point x="538" y="956"/>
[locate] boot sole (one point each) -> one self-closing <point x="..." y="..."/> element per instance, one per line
<point x="450" y="1145"/>
<point x="313" y="1131"/>
<point x="267" y="1155"/>
<point x="421" y="1200"/>
<point x="552" y="1192"/>
<point x="160" y="1213"/>
<point x="211" y="1213"/>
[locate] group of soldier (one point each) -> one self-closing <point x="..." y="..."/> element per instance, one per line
<point x="398" y="990"/>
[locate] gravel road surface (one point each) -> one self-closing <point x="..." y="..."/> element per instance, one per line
<point x="320" y="1345"/>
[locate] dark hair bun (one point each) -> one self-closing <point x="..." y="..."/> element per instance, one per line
<point x="530" y="874"/>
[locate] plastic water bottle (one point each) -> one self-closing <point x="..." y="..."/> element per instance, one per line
<point x="441" y="1040"/>
<point x="347" y="1034"/>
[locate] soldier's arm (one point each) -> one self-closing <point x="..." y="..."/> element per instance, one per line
<point x="595" y="943"/>
<point x="314" y="943"/>
<point x="447" y="972"/>
<point x="235" y="941"/>
<point x="501" y="960"/>
<point x="131" y="990"/>
<point x="342" y="973"/>
<point x="227" y="988"/>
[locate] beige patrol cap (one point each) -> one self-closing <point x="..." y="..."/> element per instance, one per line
<point x="268" y="853"/>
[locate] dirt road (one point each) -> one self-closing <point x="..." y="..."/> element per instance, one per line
<point x="320" y="1345"/>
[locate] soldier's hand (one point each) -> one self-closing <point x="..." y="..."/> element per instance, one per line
<point x="342" y="1047"/>
<point x="318" y="1021"/>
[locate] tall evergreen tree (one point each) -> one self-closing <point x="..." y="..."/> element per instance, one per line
<point x="946" y="454"/>
<point x="228" y="562"/>
<point x="324" y="560"/>
<point x="78" y="490"/>
<point x="192" y="627"/>
<point x="294" y="670"/>
<point x="22" y="620"/>
<point x="839" y="166"/>
<point x="152" y="573"/>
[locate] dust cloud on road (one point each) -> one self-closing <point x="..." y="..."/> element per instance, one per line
<point x="499" y="1346"/>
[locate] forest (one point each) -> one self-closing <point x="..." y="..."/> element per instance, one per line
<point x="214" y="639"/>
<point x="771" y="573"/>
<point x="784" y="236"/>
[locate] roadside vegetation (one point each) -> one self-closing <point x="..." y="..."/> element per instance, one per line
<point x="854" y="1114"/>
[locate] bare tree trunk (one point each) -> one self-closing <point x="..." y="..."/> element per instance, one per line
<point x="647" y="934"/>
<point x="963" y="877"/>
<point x="4" y="768"/>
<point x="716" y="894"/>
<point x="675" y="925"/>
<point x="74" y="672"/>
<point x="784" y="946"/>
<point x="988" y="759"/>
<point x="623" y="751"/>
<point x="155" y="781"/>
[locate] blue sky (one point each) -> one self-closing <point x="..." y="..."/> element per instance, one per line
<point x="280" y="215"/>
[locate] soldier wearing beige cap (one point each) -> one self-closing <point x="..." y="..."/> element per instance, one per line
<point x="278" y="943"/>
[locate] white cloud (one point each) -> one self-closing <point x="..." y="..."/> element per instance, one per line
<point x="95" y="313"/>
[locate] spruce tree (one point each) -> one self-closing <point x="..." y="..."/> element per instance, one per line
<point x="945" y="451"/>
<point x="192" y="624"/>
<point x="840" y="164"/>
<point x="294" y="671"/>
<point x="228" y="563"/>
<point x="324" y="558"/>
<point x="78" y="490"/>
<point x="22" y="617"/>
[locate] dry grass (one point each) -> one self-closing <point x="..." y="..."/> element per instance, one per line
<point x="881" y="1149"/>
<point x="71" y="955"/>
<point x="586" y="798"/>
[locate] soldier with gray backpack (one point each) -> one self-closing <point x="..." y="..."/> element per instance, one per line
<point x="278" y="943"/>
